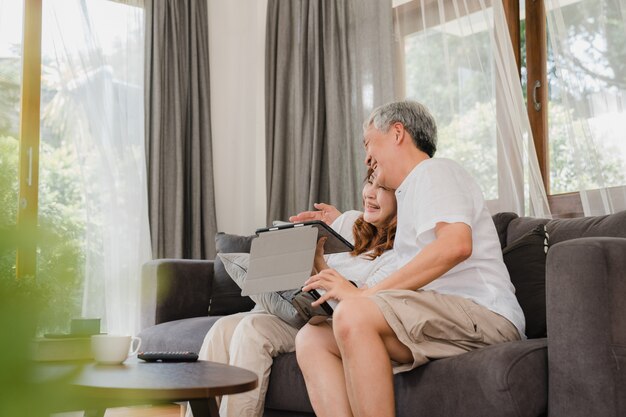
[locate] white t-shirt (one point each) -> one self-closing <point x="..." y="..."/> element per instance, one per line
<point x="360" y="269"/>
<point x="440" y="190"/>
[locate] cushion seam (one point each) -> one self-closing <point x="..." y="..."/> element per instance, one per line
<point x="517" y="410"/>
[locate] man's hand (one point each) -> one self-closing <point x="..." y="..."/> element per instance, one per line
<point x="336" y="286"/>
<point x="325" y="213"/>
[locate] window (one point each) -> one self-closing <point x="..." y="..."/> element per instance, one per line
<point x="582" y="123"/>
<point x="573" y="77"/>
<point x="456" y="58"/>
<point x="457" y="90"/>
<point x="588" y="101"/>
<point x="86" y="155"/>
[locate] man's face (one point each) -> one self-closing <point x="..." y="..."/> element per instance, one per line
<point x="378" y="155"/>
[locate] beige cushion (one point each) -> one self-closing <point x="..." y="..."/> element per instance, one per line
<point x="277" y="303"/>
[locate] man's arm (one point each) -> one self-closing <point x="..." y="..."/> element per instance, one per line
<point x="452" y="245"/>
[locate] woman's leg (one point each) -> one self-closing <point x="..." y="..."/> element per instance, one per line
<point x="367" y="344"/>
<point x="257" y="339"/>
<point x="320" y="362"/>
<point x="216" y="344"/>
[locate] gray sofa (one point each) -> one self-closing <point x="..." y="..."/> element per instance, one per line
<point x="578" y="370"/>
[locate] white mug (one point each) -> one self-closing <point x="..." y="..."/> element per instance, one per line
<point x="113" y="350"/>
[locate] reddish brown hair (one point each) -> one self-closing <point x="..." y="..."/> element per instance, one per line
<point x="369" y="238"/>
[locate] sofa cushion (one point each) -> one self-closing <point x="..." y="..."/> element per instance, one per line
<point x="522" y="225"/>
<point x="525" y="258"/>
<point x="178" y="335"/>
<point x="501" y="221"/>
<point x="277" y="303"/>
<point x="509" y="379"/>
<point x="612" y="225"/>
<point x="236" y="265"/>
<point x="225" y="293"/>
<point x="286" y="377"/>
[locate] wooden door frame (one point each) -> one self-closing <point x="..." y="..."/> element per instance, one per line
<point x="30" y="118"/>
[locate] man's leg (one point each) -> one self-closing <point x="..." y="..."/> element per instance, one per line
<point x="320" y="362"/>
<point x="367" y="344"/>
<point x="258" y="338"/>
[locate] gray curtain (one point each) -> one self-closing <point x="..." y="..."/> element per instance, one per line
<point x="178" y="130"/>
<point x="328" y="64"/>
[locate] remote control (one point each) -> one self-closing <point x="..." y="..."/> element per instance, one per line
<point x="168" y="356"/>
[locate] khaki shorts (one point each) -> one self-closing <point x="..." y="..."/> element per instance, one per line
<point x="434" y="325"/>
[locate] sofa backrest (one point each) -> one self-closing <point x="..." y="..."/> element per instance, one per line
<point x="528" y="275"/>
<point x="611" y="225"/>
<point x="511" y="227"/>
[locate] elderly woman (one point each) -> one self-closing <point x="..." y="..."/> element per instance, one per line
<point x="251" y="340"/>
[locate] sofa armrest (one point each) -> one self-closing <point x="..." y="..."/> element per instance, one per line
<point x="586" y="319"/>
<point x="174" y="289"/>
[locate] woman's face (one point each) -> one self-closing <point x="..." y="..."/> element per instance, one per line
<point x="379" y="203"/>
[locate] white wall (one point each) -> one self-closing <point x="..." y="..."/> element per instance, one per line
<point x="237" y="65"/>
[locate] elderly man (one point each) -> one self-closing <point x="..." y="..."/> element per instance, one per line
<point x="451" y="292"/>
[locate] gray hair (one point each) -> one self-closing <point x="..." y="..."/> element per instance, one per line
<point x="415" y="118"/>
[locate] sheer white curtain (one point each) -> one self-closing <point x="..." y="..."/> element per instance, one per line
<point x="456" y="57"/>
<point x="587" y="114"/>
<point x="93" y="50"/>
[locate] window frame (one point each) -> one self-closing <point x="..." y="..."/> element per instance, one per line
<point x="29" y="138"/>
<point x="564" y="205"/>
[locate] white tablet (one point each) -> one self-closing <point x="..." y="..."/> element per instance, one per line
<point x="335" y="243"/>
<point x="280" y="260"/>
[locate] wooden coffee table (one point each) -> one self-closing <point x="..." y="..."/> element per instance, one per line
<point x="95" y="388"/>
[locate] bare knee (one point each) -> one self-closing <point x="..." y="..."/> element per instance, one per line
<point x="305" y="341"/>
<point x="352" y="317"/>
<point x="313" y="341"/>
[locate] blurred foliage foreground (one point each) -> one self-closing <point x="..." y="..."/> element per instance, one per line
<point x="21" y="303"/>
<point x="31" y="306"/>
<point x="24" y="303"/>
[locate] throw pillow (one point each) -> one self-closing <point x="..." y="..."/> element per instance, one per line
<point x="501" y="221"/>
<point x="225" y="294"/>
<point x="525" y="258"/>
<point x="277" y="303"/>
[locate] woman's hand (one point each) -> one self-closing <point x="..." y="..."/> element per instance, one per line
<point x="325" y="213"/>
<point x="319" y="263"/>
<point x="336" y="286"/>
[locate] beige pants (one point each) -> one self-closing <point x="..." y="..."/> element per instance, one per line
<point x="435" y="326"/>
<point x="248" y="340"/>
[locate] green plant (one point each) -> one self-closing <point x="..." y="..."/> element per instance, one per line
<point x="23" y="303"/>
